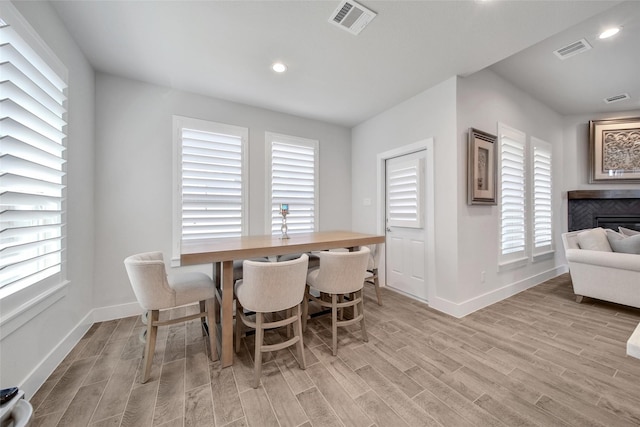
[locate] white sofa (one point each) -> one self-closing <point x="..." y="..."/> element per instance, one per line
<point x="609" y="276"/>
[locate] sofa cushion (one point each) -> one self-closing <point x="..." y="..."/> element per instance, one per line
<point x="621" y="243"/>
<point x="594" y="239"/>
<point x="628" y="231"/>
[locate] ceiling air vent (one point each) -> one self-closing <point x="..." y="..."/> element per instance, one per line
<point x="572" y="49"/>
<point x="617" y="98"/>
<point x="352" y="17"/>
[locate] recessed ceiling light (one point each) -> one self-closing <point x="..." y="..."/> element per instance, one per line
<point x="609" y="32"/>
<point x="279" y="67"/>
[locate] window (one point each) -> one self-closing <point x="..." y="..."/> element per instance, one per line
<point x="541" y="197"/>
<point x="32" y="182"/>
<point x="294" y="180"/>
<point x="404" y="192"/>
<point x="210" y="176"/>
<point x="512" y="195"/>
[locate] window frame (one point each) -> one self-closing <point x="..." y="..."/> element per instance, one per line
<point x="270" y="138"/>
<point x="180" y="122"/>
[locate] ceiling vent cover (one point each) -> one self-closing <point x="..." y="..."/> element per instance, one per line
<point x="351" y="16"/>
<point x="617" y="98"/>
<point x="572" y="49"/>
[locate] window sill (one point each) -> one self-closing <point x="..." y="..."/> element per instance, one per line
<point x="513" y="264"/>
<point x="10" y="321"/>
<point x="543" y="256"/>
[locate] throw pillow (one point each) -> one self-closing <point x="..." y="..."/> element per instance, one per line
<point x="613" y="236"/>
<point x="628" y="231"/>
<point x="594" y="239"/>
<point x="625" y="244"/>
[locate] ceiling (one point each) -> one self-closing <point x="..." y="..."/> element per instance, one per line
<point x="224" y="49"/>
<point x="579" y="84"/>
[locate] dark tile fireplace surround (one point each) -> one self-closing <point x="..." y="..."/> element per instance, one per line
<point x="604" y="208"/>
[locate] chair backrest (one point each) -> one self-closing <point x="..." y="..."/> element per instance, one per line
<point x="273" y="286"/>
<point x="342" y="272"/>
<point x="148" y="278"/>
<point x="374" y="257"/>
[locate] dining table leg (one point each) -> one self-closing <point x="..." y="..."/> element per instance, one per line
<point x="226" y="357"/>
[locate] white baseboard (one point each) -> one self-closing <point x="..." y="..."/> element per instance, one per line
<point x="469" y="306"/>
<point x="112" y="312"/>
<point x="40" y="373"/>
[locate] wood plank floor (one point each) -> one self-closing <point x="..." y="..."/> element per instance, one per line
<point x="535" y="359"/>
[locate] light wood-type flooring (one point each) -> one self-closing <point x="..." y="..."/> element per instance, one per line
<point x="535" y="359"/>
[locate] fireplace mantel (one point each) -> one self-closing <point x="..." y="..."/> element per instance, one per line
<point x="603" y="194"/>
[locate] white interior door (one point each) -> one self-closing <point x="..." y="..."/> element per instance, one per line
<point x="405" y="219"/>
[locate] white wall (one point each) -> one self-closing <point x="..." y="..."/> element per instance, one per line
<point x="431" y="113"/>
<point x="30" y="353"/>
<point x="484" y="99"/>
<point x="134" y="171"/>
<point x="466" y="242"/>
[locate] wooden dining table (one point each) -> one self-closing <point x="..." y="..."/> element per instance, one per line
<point x="222" y="252"/>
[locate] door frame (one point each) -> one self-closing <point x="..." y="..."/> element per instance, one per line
<point x="429" y="208"/>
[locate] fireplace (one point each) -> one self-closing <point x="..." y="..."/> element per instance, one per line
<point x="604" y="208"/>
<point x="615" y="221"/>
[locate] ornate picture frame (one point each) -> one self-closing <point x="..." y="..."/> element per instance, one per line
<point x="482" y="170"/>
<point x="614" y="150"/>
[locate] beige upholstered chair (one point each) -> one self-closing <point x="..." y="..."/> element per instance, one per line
<point x="314" y="261"/>
<point x="156" y="291"/>
<point x="372" y="270"/>
<point x="339" y="274"/>
<point x="269" y="287"/>
<point x="237" y="266"/>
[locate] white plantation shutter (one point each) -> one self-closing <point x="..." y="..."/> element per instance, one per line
<point x="294" y="181"/>
<point x="211" y="183"/>
<point x="512" y="195"/>
<point x="404" y="204"/>
<point x="541" y="195"/>
<point x="32" y="180"/>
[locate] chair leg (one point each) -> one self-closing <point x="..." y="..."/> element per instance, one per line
<point x="334" y="323"/>
<point x="365" y="338"/>
<point x="239" y="325"/>
<point x="376" y="284"/>
<point x="257" y="370"/>
<point x="305" y="308"/>
<point x="288" y="314"/>
<point x="297" y="330"/>
<point x="202" y="310"/>
<point x="354" y="307"/>
<point x="212" y="328"/>
<point x="150" y="346"/>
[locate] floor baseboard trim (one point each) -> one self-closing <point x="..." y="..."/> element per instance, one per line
<point x="467" y="307"/>
<point x="50" y="362"/>
<point x="112" y="312"/>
